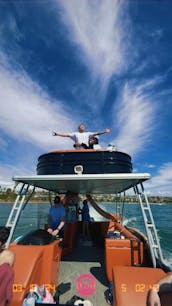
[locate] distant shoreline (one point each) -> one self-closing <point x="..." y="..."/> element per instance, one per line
<point x="105" y="201"/>
<point x="30" y="202"/>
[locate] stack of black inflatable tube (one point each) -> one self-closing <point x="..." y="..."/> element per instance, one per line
<point x="93" y="162"/>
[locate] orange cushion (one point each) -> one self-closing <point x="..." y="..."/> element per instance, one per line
<point x="131" y="284"/>
<point x="26" y="257"/>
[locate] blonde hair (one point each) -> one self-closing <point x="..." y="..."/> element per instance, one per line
<point x="7" y="256"/>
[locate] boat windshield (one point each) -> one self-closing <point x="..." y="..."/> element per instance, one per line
<point x="34" y="216"/>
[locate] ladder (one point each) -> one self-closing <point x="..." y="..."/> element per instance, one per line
<point x="16" y="211"/>
<point x="151" y="231"/>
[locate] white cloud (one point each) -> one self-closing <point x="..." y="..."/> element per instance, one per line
<point x="162" y="182"/>
<point x="150" y="166"/>
<point x="97" y="28"/>
<point x="28" y="114"/>
<point x="6" y="173"/>
<point x="134" y="119"/>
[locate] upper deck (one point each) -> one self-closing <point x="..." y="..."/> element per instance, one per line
<point x="92" y="162"/>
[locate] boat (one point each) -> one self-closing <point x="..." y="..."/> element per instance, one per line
<point x="117" y="262"/>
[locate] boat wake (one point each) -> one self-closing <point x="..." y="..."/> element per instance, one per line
<point x="168" y="258"/>
<point x="129" y="221"/>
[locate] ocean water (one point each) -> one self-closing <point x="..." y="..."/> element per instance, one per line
<point x="35" y="216"/>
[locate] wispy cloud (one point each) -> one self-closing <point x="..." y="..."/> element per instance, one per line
<point x="134" y="117"/>
<point x="161" y="184"/>
<point x="28" y="114"/>
<point x="96" y="27"/>
<point x="150" y="166"/>
<point x="8" y="171"/>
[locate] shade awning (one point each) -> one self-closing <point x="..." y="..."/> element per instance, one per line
<point x="83" y="183"/>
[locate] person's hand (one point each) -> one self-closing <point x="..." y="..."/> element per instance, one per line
<point x="108" y="130"/>
<point x="55" y="232"/>
<point x="49" y="230"/>
<point x="153" y="298"/>
<point x="54" y="133"/>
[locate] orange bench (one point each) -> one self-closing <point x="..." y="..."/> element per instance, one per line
<point x="122" y="252"/>
<point x="131" y="284"/>
<point x="34" y="264"/>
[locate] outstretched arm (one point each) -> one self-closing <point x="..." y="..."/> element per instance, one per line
<point x="102" y="132"/>
<point x="60" y="134"/>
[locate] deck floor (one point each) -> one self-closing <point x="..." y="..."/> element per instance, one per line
<point x="86" y="258"/>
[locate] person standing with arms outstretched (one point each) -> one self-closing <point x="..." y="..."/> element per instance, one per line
<point x="81" y="138"/>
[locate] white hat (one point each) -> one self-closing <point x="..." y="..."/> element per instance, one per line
<point x="79" y="302"/>
<point x="84" y="303"/>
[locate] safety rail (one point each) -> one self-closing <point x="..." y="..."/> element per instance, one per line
<point x="16" y="210"/>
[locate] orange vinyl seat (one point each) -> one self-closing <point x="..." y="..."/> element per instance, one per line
<point x="131" y="284"/>
<point x="34" y="264"/>
<point x="122" y="252"/>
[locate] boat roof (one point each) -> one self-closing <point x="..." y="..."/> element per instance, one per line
<point x="83" y="183"/>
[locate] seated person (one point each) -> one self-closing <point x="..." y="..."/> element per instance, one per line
<point x="56" y="218"/>
<point x="6" y="271"/>
<point x="6" y="256"/>
<point x="163" y="295"/>
<point x="94" y="142"/>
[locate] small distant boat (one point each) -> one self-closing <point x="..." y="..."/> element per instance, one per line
<point x="117" y="257"/>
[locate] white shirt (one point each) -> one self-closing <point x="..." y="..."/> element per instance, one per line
<point x="81" y="137"/>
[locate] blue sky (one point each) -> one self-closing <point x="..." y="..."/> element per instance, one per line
<point x="101" y="63"/>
